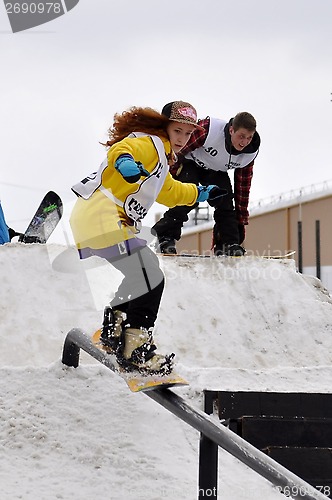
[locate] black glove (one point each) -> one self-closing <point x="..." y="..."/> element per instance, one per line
<point x="13" y="233"/>
<point x="242" y="233"/>
<point x="215" y="195"/>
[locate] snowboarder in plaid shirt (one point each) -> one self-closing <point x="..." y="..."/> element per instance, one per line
<point x="212" y="150"/>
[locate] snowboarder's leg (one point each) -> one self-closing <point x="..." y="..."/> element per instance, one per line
<point x="168" y="229"/>
<point x="139" y="297"/>
<point x="226" y="239"/>
<point x="112" y="328"/>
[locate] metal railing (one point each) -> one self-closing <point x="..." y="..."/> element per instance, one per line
<point x="283" y="479"/>
<point x="294" y="194"/>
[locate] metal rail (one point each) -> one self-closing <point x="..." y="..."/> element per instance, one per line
<point x="284" y="480"/>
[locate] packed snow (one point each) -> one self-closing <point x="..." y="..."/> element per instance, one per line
<point x="234" y="324"/>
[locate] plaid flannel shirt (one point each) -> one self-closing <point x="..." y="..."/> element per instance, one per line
<point x="242" y="176"/>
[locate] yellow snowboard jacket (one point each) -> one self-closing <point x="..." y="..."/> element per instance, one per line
<point x="100" y="221"/>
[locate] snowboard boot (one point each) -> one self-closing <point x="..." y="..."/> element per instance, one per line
<point x="233" y="250"/>
<point x="137" y="352"/>
<point x="166" y="245"/>
<point x="111" y="329"/>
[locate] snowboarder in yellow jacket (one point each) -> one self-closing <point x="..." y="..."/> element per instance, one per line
<point x="107" y="216"/>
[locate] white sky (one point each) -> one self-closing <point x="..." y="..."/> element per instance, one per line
<point x="62" y="82"/>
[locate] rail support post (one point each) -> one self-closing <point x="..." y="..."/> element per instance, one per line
<point x="71" y="350"/>
<point x="208" y="458"/>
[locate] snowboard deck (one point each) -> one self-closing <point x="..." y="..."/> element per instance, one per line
<point x="207" y="256"/>
<point x="138" y="382"/>
<point x="45" y="220"/>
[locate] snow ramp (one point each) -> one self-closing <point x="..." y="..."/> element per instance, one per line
<point x="228" y="320"/>
<point x="234" y="323"/>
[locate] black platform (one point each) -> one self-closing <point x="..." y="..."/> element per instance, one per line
<point x="295" y="429"/>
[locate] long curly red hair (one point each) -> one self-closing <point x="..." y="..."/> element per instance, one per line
<point x="146" y="120"/>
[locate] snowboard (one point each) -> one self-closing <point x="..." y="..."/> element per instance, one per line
<point x="207" y="256"/>
<point x="136" y="381"/>
<point x="45" y="220"/>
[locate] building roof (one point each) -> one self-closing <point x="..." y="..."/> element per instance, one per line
<point x="269" y="204"/>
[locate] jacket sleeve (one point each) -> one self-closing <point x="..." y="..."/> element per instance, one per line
<point x="242" y="183"/>
<point x="175" y="193"/>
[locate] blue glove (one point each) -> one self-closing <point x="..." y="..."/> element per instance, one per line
<point x="130" y="170"/>
<point x="211" y="194"/>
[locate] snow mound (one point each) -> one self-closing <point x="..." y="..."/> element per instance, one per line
<point x="235" y="324"/>
<point x="218" y="315"/>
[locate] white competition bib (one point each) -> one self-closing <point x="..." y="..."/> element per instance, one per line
<point x="137" y="204"/>
<point x="213" y="154"/>
<point x="86" y="187"/>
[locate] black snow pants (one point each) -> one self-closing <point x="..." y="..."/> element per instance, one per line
<point x="225" y="230"/>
